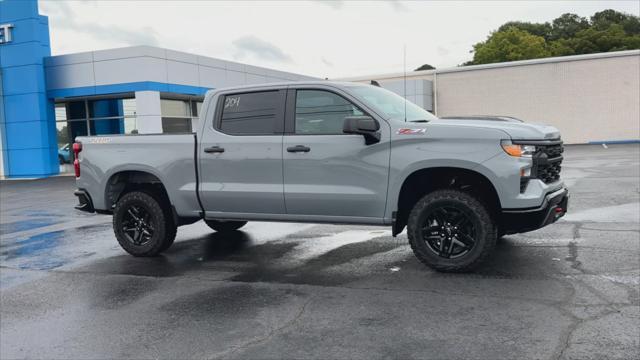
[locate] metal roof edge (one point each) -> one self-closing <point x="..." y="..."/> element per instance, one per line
<point x="497" y="65"/>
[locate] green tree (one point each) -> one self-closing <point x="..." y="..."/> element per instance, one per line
<point x="543" y="30"/>
<point x="603" y="19"/>
<point x="612" y="38"/>
<point x="569" y="34"/>
<point x="567" y="26"/>
<point x="63" y="136"/>
<point x="425" y="67"/>
<point x="631" y="25"/>
<point x="509" y="45"/>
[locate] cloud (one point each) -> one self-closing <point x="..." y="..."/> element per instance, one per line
<point x="335" y="4"/>
<point x="339" y="4"/>
<point x="326" y="62"/>
<point x="61" y="10"/>
<point x="397" y="5"/>
<point x="251" y="45"/>
<point x="142" y="36"/>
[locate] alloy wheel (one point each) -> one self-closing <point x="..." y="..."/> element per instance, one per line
<point x="137" y="225"/>
<point x="449" y="232"/>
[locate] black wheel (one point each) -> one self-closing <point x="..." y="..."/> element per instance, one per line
<point x="61" y="160"/>
<point x="451" y="231"/>
<point x="222" y="226"/>
<point x="141" y="225"/>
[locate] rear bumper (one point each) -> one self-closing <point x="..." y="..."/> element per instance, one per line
<point x="84" y="201"/>
<point x="553" y="208"/>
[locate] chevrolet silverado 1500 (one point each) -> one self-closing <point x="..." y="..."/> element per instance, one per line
<point x="328" y="152"/>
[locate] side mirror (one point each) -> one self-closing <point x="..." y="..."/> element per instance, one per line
<point x="363" y="125"/>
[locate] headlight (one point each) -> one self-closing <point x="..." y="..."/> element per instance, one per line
<point x="518" y="150"/>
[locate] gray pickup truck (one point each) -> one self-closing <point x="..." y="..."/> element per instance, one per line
<point x="328" y="152"/>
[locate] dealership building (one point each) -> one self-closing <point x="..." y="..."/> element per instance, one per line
<point x="46" y="101"/>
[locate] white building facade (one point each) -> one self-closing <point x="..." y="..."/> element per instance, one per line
<point x="591" y="98"/>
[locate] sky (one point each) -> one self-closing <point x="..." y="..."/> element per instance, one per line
<point x="331" y="39"/>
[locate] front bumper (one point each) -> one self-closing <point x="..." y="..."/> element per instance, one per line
<point x="84" y="201"/>
<point x="553" y="208"/>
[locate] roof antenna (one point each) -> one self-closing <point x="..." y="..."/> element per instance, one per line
<point x="405" y="81"/>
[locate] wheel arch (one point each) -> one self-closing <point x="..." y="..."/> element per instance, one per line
<point x="422" y="181"/>
<point x="127" y="180"/>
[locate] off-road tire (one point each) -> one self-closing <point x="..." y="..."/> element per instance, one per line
<point x="224" y="226"/>
<point x="162" y="225"/>
<point x="171" y="232"/>
<point x="478" y="214"/>
<point x="171" y="226"/>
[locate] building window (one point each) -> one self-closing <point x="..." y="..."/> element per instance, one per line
<point x="97" y="117"/>
<point x="179" y="116"/>
<point x="130" y="112"/>
<point x="89" y="117"/>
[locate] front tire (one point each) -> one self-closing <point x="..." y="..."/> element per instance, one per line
<point x="225" y="226"/>
<point x="451" y="231"/>
<point x="141" y="225"/>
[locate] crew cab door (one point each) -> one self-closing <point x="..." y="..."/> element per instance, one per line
<point x="327" y="173"/>
<point x="240" y="154"/>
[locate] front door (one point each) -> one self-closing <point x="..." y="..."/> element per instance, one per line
<point x="327" y="172"/>
<point x="241" y="155"/>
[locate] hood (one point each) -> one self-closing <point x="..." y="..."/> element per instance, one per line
<point x="516" y="130"/>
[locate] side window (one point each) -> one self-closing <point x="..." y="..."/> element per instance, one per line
<point x="322" y="112"/>
<point x="254" y="113"/>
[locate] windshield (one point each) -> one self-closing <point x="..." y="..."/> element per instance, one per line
<point x="391" y="104"/>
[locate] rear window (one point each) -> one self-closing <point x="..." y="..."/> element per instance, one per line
<point x="254" y="113"/>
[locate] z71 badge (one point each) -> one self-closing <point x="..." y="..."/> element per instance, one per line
<point x="408" y="131"/>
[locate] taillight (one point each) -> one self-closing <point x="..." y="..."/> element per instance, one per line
<point x="77" y="147"/>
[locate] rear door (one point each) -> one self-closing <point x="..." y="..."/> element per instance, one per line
<point x="241" y="154"/>
<point x="327" y="172"/>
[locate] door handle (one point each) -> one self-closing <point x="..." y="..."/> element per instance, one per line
<point x="214" y="149"/>
<point x="298" y="148"/>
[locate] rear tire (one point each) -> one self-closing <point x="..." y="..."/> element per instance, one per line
<point x="141" y="224"/>
<point x="451" y="231"/>
<point x="224" y="226"/>
<point x="172" y="231"/>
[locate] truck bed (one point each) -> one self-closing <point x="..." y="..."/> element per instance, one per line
<point x="170" y="158"/>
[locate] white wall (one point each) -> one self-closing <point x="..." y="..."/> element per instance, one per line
<point x="590" y="98"/>
<point x="418" y="91"/>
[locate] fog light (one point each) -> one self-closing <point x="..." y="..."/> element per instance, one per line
<point x="525" y="172"/>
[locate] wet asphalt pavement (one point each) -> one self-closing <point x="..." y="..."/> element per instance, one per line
<point x="570" y="290"/>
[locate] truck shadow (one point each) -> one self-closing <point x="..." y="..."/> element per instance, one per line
<point x="236" y="256"/>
